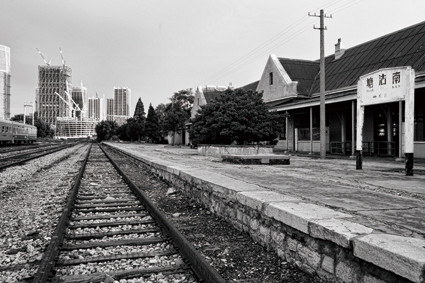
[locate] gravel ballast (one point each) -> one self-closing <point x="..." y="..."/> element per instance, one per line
<point x="233" y="253"/>
<point x="32" y="197"/>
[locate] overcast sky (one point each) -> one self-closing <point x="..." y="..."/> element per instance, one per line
<point x="158" y="47"/>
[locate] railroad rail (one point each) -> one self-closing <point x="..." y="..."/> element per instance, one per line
<point x="5" y="149"/>
<point x="12" y="150"/>
<point x="111" y="231"/>
<point x="16" y="159"/>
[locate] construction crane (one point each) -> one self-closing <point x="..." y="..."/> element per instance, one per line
<point x="44" y="58"/>
<point x="73" y="106"/>
<point x="67" y="102"/>
<point x="63" y="59"/>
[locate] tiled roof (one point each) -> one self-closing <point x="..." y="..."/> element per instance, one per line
<point x="405" y="47"/>
<point x="303" y="71"/>
<point x="252" y="86"/>
<point x="211" y="95"/>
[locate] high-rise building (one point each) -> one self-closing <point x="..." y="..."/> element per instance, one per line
<point x="95" y="108"/>
<point x="110" y="109"/>
<point x="79" y="95"/>
<point x="53" y="81"/>
<point x="4" y="82"/>
<point x="122" y="98"/>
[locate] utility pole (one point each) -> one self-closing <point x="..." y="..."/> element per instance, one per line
<point x="322" y="29"/>
<point x="29" y="104"/>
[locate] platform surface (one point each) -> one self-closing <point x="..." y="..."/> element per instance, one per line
<point x="378" y="201"/>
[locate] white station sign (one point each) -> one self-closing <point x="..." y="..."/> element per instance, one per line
<point x="384" y="85"/>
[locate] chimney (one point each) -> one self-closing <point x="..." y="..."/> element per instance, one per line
<point x="339" y="50"/>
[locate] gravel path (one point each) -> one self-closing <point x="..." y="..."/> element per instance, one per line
<point x="31" y="200"/>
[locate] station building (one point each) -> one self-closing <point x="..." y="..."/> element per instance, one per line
<point x="291" y="87"/>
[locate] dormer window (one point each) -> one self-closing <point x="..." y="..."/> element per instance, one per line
<point x="271" y="78"/>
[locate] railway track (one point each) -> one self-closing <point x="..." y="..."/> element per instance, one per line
<point x="6" y="149"/>
<point x="110" y="231"/>
<point x="19" y="158"/>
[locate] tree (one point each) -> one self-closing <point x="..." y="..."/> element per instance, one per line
<point x="140" y="109"/>
<point x="17" y="118"/>
<point x="105" y="130"/>
<point x="236" y="116"/>
<point x="43" y="129"/>
<point x="135" y="128"/>
<point x="121" y="132"/>
<point x="175" y="118"/>
<point x="185" y="97"/>
<point x="160" y="113"/>
<point x="152" y="127"/>
<point x="136" y="125"/>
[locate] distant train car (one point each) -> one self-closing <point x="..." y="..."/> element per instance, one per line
<point x="16" y="133"/>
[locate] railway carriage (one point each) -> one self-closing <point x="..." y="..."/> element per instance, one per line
<point x="16" y="133"/>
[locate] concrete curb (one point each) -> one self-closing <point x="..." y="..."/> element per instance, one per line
<point x="401" y="255"/>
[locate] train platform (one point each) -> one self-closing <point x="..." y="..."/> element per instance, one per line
<point x="378" y="213"/>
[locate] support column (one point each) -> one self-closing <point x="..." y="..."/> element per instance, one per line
<point x="311" y="130"/>
<point x="359" y="146"/>
<point x="409" y="118"/>
<point x="400" y="129"/>
<point x="353" y="127"/>
<point x="343" y="133"/>
<point x="287" y="133"/>
<point x="389" y="130"/>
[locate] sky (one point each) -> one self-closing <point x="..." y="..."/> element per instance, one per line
<point x="158" y="47"/>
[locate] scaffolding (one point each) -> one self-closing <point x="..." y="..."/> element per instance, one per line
<point x="68" y="128"/>
<point x="53" y="84"/>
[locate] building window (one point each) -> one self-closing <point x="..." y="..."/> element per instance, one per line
<point x="271" y="78"/>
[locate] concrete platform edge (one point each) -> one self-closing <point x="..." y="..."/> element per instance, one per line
<point x="316" y="221"/>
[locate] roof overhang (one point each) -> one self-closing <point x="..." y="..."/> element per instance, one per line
<point x="338" y="95"/>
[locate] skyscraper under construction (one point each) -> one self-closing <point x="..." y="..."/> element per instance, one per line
<point x="51" y="96"/>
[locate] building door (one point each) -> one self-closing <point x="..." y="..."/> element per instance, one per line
<point x="386" y="130"/>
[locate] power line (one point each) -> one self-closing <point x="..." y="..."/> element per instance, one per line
<point x="347" y="5"/>
<point x="254" y="56"/>
<point x="256" y="50"/>
<point x="269" y="44"/>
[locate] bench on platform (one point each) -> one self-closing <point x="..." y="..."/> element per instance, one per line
<point x="256" y="159"/>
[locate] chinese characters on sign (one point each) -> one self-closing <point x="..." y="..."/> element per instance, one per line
<point x="385" y="85"/>
<point x="396" y="79"/>
<point x="383" y="80"/>
<point x="369" y="82"/>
